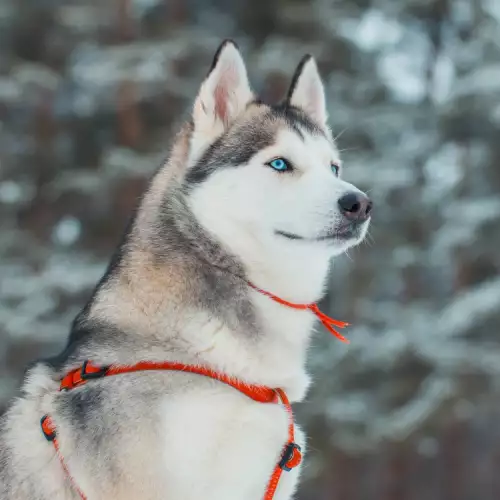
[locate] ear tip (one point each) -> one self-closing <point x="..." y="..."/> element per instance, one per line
<point x="226" y="43"/>
<point x="304" y="63"/>
<point x="308" y="59"/>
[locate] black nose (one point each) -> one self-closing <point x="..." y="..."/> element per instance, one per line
<point x="356" y="206"/>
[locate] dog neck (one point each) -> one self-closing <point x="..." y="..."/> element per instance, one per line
<point x="185" y="292"/>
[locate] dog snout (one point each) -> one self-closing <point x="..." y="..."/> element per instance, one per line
<point x="355" y="206"/>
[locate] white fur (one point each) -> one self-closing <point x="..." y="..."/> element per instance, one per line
<point x="225" y="471"/>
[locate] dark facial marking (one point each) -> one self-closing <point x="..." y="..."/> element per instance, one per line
<point x="296" y="119"/>
<point x="290" y="236"/>
<point x="234" y="148"/>
<point x="351" y="232"/>
<point x="238" y="145"/>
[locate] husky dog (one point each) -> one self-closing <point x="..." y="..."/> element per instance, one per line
<point x="251" y="193"/>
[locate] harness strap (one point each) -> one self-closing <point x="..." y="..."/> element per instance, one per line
<point x="49" y="431"/>
<point x="291" y="454"/>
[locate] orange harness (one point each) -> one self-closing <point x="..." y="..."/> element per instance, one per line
<point x="291" y="455"/>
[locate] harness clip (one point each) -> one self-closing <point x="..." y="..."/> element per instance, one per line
<point x="48" y="428"/>
<point x="90" y="371"/>
<point x="292" y="457"/>
<point x="79" y="376"/>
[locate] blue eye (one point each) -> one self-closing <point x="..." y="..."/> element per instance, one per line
<point x="335" y="169"/>
<point x="280" y="164"/>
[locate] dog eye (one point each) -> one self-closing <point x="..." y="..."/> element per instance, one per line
<point x="280" y="164"/>
<point x="335" y="169"/>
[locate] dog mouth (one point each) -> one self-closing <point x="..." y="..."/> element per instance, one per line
<point x="351" y="231"/>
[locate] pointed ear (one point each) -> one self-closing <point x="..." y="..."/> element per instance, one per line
<point x="307" y="91"/>
<point x="225" y="92"/>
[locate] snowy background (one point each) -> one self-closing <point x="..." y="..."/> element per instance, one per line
<point x="90" y="92"/>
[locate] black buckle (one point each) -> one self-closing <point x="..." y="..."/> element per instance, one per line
<point x="288" y="453"/>
<point x="92" y="375"/>
<point x="49" y="435"/>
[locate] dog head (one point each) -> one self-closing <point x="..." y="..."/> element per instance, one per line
<point x="270" y="177"/>
<point x="249" y="188"/>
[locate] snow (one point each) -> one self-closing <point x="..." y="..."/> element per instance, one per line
<point x="10" y="192"/>
<point x="374" y="30"/>
<point x="484" y="80"/>
<point x="29" y="300"/>
<point x="470" y="309"/>
<point x="443" y="171"/>
<point x="443" y="79"/>
<point x="492" y="7"/>
<point x="407" y="419"/>
<point x="406" y="79"/>
<point x="67" y="231"/>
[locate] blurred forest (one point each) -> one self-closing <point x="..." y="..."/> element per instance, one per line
<point x="90" y="94"/>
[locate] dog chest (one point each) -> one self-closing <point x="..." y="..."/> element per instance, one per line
<point x="219" y="444"/>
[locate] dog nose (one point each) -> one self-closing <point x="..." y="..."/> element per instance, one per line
<point x="356" y="206"/>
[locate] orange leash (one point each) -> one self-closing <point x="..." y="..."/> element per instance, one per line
<point x="291" y="455"/>
<point x="328" y="323"/>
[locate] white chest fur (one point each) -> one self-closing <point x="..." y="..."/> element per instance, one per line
<point x="221" y="445"/>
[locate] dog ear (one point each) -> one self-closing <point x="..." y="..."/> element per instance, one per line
<point x="225" y="92"/>
<point x="307" y="91"/>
